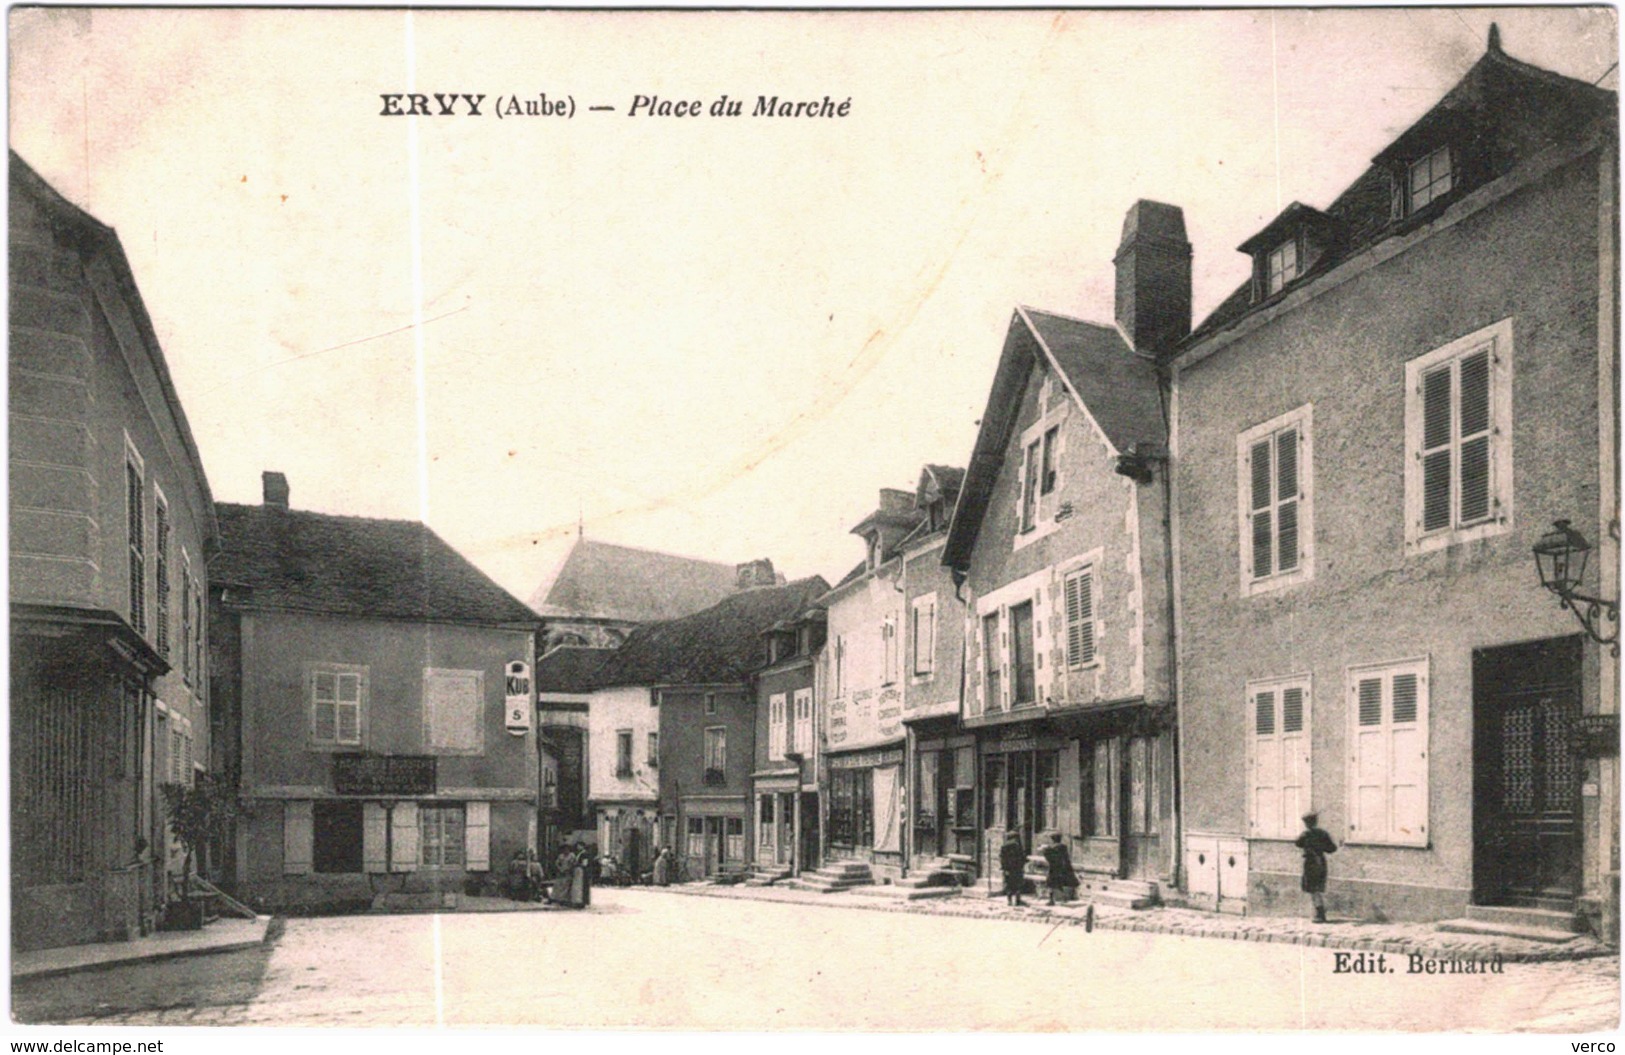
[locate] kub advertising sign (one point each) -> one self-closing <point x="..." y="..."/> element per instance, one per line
<point x="518" y="697"/>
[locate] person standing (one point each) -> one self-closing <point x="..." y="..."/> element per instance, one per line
<point x="1061" y="876"/>
<point x="1013" y="863"/>
<point x="1315" y="844"/>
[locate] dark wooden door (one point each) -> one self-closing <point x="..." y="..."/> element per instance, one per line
<point x="1140" y="840"/>
<point x="1525" y="775"/>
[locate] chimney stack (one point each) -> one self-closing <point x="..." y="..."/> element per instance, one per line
<point x="275" y="489"/>
<point x="1154" y="277"/>
<point x="755" y="573"/>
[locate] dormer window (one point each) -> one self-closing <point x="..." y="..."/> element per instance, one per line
<point x="1283" y="266"/>
<point x="1429" y="179"/>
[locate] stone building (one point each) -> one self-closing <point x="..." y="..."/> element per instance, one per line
<point x="784" y="780"/>
<point x="112" y="526"/>
<point x="1059" y="546"/>
<point x="376" y="688"/>
<point x="1370" y="435"/>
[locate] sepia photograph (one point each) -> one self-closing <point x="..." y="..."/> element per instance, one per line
<point x="824" y="521"/>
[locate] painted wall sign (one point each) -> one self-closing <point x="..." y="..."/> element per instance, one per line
<point x="519" y="697"/>
<point x="384" y="774"/>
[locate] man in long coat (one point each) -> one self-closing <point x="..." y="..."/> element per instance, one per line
<point x="1061" y="878"/>
<point x="1013" y="863"/>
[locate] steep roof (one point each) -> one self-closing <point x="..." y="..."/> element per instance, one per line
<point x="356" y="566"/>
<point x="570" y="669"/>
<point x="722" y="644"/>
<point x="602" y="581"/>
<point x="1504" y="110"/>
<point x="1116" y="385"/>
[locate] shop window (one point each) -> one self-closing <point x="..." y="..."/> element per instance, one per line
<point x="962" y="802"/>
<point x="441" y="836"/>
<point x="925" y="791"/>
<point x="696" y="837"/>
<point x="1047" y="812"/>
<point x="995" y="795"/>
<point x="337" y="832"/>
<point x="1142" y="782"/>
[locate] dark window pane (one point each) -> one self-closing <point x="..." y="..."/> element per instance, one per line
<point x="1475" y="479"/>
<point x="1436" y="490"/>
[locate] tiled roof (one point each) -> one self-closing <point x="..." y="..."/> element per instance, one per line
<point x="1118" y="386"/>
<point x="720" y="645"/>
<point x="603" y="581"/>
<point x="340" y="565"/>
<point x="570" y="669"/>
<point x="1504" y="110"/>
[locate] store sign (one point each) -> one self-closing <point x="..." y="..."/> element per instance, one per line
<point x="384" y="774"/>
<point x="518" y="696"/>
<point x="866" y="759"/>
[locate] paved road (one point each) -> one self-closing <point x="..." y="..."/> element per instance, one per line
<point x="655" y="959"/>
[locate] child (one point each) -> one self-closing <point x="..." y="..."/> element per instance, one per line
<point x="1315" y="844"/>
<point x="1062" y="879"/>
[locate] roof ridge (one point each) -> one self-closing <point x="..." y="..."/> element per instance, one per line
<point x="656" y="552"/>
<point x="1063" y="315"/>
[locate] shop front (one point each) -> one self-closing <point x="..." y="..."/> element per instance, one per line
<point x="866" y="808"/>
<point x="714" y="835"/>
<point x="944" y="813"/>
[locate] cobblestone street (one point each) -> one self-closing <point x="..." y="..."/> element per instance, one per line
<point x="659" y="959"/>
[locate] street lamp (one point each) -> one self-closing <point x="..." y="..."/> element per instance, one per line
<point x="1560" y="558"/>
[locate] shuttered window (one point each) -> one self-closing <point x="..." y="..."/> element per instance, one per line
<point x="1080" y="617"/>
<point x="923" y="615"/>
<point x="803" y="740"/>
<point x="160" y="554"/>
<point x="1278" y="756"/>
<point x="1277" y="526"/>
<point x="775" y="726"/>
<point x="1388" y="771"/>
<point x="134" y="511"/>
<point x="1458" y="440"/>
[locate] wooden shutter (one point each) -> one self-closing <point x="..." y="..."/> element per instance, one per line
<point x="1435" y="452"/>
<point x="1295" y="797"/>
<point x="403" y="836"/>
<point x="1407" y="754"/>
<point x="1265" y="779"/>
<point x="1286" y="496"/>
<point x="1261" y="518"/>
<point x="298" y="837"/>
<point x="1474" y="425"/>
<point x="1368" y="808"/>
<point x="374" y="837"/>
<point x="1080" y="618"/>
<point x="477" y="837"/>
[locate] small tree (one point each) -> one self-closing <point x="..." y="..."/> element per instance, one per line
<point x="199" y="812"/>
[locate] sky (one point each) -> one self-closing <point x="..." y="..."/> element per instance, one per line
<point x="709" y="335"/>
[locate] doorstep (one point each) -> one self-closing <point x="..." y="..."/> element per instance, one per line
<point x="223" y="935"/>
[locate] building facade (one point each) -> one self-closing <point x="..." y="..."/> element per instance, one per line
<point x="1371" y="435"/>
<point x="565" y="678"/>
<point x="112" y="525"/>
<point x="382" y="708"/>
<point x="1060" y="546"/>
<point x="784" y="780"/>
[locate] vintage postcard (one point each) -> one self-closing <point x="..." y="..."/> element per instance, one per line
<point x="969" y="521"/>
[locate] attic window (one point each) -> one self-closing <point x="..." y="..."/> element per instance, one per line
<point x="1283" y="266"/>
<point x="1429" y="179"/>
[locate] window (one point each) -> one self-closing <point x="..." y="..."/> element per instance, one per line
<point x="1273" y="475"/>
<point x="776" y="706"/>
<point x="441" y="836"/>
<point x="654" y="750"/>
<point x="1023" y="679"/>
<point x="696" y="837"/>
<point x="734" y="848"/>
<point x="1047" y="477"/>
<point x="888" y="650"/>
<point x="136" y="531"/>
<point x="1429" y="179"/>
<point x="1458" y="440"/>
<point x="1029" y="488"/>
<point x="1283" y="266"/>
<point x="923" y="624"/>
<point x="160" y="547"/>
<point x="451" y="711"/>
<point x="1080" y="618"/>
<point x="337" y="699"/>
<point x="990" y="662"/>
<point x="1388" y="778"/>
<point x="177" y="752"/>
<point x="623" y="753"/>
<point x="199" y="638"/>
<point x="710" y="703"/>
<point x="716" y="756"/>
<point x="1278" y="756"/>
<point x="803" y="741"/>
<point x="187" y="629"/>
<point x="337" y="836"/>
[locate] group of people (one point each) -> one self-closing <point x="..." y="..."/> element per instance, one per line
<point x="1062" y="880"/>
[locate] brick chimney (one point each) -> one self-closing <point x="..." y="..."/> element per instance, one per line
<point x="755" y="573"/>
<point x="275" y="488"/>
<point x="1154" y="277"/>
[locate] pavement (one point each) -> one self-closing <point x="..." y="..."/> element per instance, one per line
<point x="223" y="935"/>
<point x="1348" y="934"/>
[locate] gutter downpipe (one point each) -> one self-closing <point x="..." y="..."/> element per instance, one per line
<point x="1169" y="398"/>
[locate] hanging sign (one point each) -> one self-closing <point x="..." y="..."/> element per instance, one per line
<point x="518" y="695"/>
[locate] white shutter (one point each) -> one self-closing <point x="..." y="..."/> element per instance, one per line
<point x="1295" y="797"/>
<point x="1407" y="757"/>
<point x="975" y="662"/>
<point x="1266" y="770"/>
<point x="298" y="835"/>
<point x="477" y="837"/>
<point x="374" y="837"/>
<point x="1080" y="618"/>
<point x="1007" y="693"/>
<point x="403" y="833"/>
<point x="1368" y="807"/>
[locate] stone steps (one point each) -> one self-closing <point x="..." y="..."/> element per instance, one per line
<point x="1506" y="930"/>
<point x="1519" y="916"/>
<point x="767" y="875"/>
<point x="898" y="892"/>
<point x="842" y="875"/>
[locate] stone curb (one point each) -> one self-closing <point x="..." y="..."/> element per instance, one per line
<point x="270" y="934"/>
<point x="1144" y="922"/>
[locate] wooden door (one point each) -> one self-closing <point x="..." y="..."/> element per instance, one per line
<point x="1526" y="776"/>
<point x="1141" y="841"/>
<point x="784" y="827"/>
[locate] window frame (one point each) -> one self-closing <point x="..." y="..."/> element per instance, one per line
<point x="1029" y="486"/>
<point x="1390" y="833"/>
<point x="434" y="834"/>
<point x="1450" y="177"/>
<point x="337" y="671"/>
<point x="1287" y="818"/>
<point x="1301" y="420"/>
<point x="1497" y="339"/>
<point x="623" y="754"/>
<point x="1277" y="279"/>
<point x="1018" y="662"/>
<point x="714" y="735"/>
